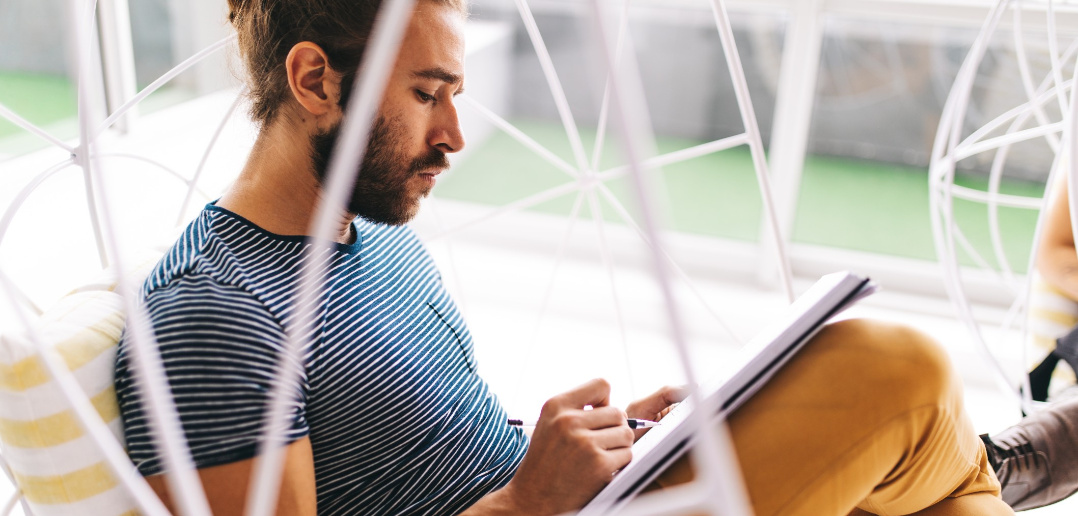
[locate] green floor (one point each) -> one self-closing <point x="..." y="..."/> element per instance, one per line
<point x="857" y="205"/>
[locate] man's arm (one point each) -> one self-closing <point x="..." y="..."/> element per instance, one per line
<point x="220" y="348"/>
<point x="226" y="485"/>
<point x="1057" y="260"/>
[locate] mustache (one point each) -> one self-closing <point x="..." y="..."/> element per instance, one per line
<point x="435" y="159"/>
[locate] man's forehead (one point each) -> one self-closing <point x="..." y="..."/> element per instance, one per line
<point x="433" y="46"/>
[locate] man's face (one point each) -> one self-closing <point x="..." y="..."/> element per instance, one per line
<point x="417" y="122"/>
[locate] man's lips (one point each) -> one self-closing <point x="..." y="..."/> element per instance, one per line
<point x="429" y="177"/>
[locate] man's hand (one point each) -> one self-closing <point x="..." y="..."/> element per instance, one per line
<point x="656" y="406"/>
<point x="574" y="452"/>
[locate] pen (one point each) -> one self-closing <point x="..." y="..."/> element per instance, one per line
<point x="633" y="423"/>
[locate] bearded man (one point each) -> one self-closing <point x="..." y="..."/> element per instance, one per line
<point x="390" y="416"/>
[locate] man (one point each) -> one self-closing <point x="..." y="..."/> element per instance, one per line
<point x="390" y="416"/>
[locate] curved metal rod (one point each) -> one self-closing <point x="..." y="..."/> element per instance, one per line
<point x="942" y="173"/>
<point x="9" y="216"/>
<point x="24" y="194"/>
<point x="83" y="48"/>
<point x="1053" y="53"/>
<point x="996" y="174"/>
<point x="604" y="107"/>
<point x="544" y="303"/>
<point x="678" y="156"/>
<point x="17" y="496"/>
<point x="945" y="231"/>
<point x="377" y="63"/>
<point x="756" y="145"/>
<point x="462" y="300"/>
<point x="193" y="183"/>
<point x="1027" y="76"/>
<point x="161" y="81"/>
<point x="607" y="259"/>
<point x="1006" y="200"/>
<point x="519" y="136"/>
<point x="150" y="378"/>
<point x="963" y="152"/>
<point x="978" y="136"/>
<point x="975" y="255"/>
<point x="37" y="181"/>
<point x="12" y="502"/>
<point x="115" y="456"/>
<point x="14" y="118"/>
<point x="25" y="298"/>
<point x="952" y="280"/>
<point x="171" y="171"/>
<point x="716" y="465"/>
<point x="995" y="233"/>
<point x="560" y="101"/>
<point x="522" y="204"/>
<point x="628" y="219"/>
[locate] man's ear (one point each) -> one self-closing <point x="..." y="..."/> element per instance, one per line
<point x="314" y="84"/>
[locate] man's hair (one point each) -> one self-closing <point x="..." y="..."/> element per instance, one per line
<point x="268" y="29"/>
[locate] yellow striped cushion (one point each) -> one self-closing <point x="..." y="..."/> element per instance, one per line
<point x="1051" y="315"/>
<point x="56" y="465"/>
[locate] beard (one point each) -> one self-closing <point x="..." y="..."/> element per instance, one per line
<point x="381" y="192"/>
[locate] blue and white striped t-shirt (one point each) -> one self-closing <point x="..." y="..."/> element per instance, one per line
<point x="399" y="421"/>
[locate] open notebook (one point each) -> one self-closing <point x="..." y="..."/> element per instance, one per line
<point x="734" y="384"/>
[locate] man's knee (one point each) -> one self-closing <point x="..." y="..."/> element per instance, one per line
<point x="895" y="359"/>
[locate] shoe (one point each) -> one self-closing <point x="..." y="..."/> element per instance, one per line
<point x="1036" y="460"/>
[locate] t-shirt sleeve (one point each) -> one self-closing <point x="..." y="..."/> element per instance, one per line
<point x="220" y="348"/>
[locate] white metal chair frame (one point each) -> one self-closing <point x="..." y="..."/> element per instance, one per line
<point x="1025" y="122"/>
<point x="623" y="96"/>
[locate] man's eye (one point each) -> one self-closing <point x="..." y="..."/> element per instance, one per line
<point x="424" y="96"/>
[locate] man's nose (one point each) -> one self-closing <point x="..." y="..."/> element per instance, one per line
<point x="447" y="135"/>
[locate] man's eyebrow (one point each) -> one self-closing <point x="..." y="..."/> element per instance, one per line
<point x="438" y="74"/>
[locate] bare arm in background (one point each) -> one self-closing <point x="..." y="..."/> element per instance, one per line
<point x="1057" y="259"/>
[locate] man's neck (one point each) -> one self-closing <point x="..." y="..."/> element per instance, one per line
<point x="278" y="190"/>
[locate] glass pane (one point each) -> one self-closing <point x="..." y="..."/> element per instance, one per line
<point x="865" y="184"/>
<point x="34" y="74"/>
<point x="166" y="33"/>
<point x="689" y="93"/>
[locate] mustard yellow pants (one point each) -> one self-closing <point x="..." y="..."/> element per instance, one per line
<point x="867" y="419"/>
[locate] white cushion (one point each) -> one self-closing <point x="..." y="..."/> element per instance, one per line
<point x="56" y="464"/>
<point x="58" y="467"/>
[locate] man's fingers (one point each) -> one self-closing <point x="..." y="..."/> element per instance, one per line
<point x="673" y="394"/>
<point x="618" y="458"/>
<point x="595" y="393"/>
<point x="604" y="417"/>
<point x="614" y="437"/>
<point x="654" y="405"/>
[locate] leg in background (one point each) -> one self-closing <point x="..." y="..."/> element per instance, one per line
<point x="868" y="415"/>
<point x="1041" y="377"/>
